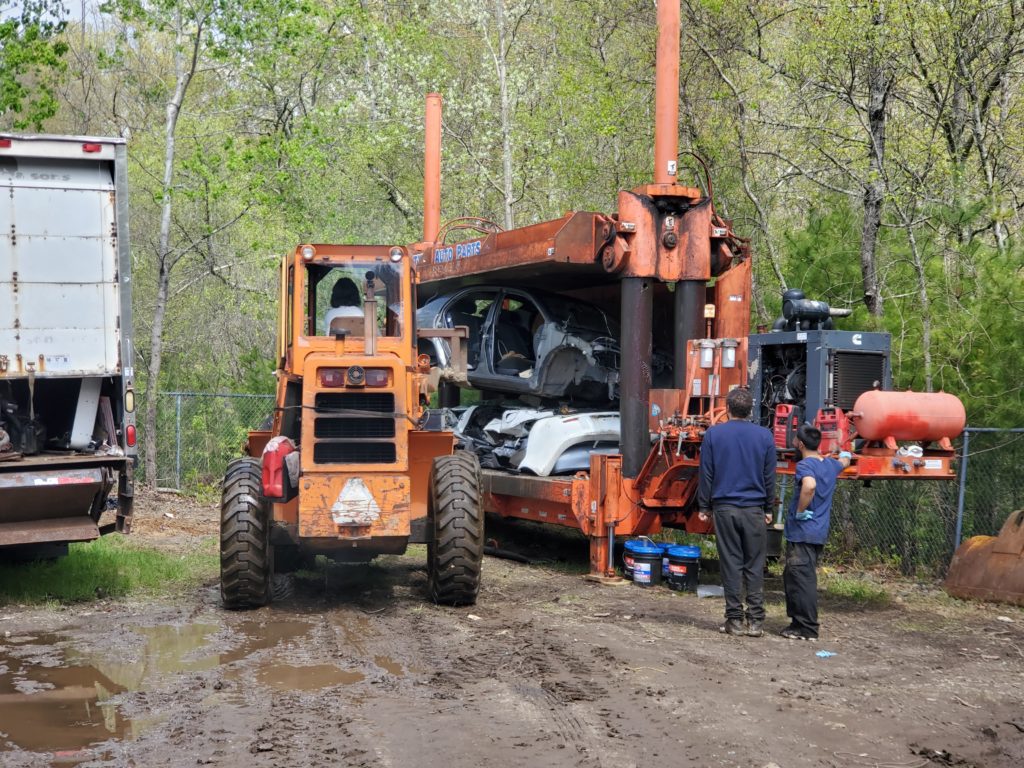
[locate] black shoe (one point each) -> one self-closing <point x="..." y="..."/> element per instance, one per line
<point x="733" y="627"/>
<point x="755" y="629"/>
<point x="792" y="633"/>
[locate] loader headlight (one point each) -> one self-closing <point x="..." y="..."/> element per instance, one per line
<point x="308" y="252"/>
<point x="396" y="254"/>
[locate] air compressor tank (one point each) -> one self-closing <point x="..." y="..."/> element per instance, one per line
<point x="918" y="416"/>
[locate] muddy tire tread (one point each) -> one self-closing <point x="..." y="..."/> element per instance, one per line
<point x="456" y="552"/>
<point x="246" y="561"/>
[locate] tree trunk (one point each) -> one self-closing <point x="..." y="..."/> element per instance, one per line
<point x="183" y="72"/>
<point x="925" y="308"/>
<point x="874" y="189"/>
<point x="506" y="125"/>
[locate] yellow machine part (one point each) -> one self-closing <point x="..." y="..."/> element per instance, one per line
<point x="991" y="567"/>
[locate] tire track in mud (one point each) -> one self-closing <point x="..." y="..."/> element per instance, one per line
<point x="557" y="683"/>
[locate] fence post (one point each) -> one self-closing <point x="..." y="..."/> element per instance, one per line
<point x="963" y="487"/>
<point x="177" y="441"/>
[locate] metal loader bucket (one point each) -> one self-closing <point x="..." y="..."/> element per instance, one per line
<point x="991" y="567"/>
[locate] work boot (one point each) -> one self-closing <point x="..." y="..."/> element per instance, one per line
<point x="733" y="627"/>
<point x="754" y="629"/>
<point x="792" y="633"/>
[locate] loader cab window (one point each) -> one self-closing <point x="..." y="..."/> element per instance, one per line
<point x="336" y="298"/>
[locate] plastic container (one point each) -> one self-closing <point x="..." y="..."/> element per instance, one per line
<point x="647" y="565"/>
<point x="665" y="547"/>
<point x="628" y="552"/>
<point x="683" y="568"/>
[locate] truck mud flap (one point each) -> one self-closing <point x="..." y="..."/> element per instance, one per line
<point x="52" y="505"/>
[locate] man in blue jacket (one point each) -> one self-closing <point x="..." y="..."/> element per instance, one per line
<point x="737" y="486"/>
<point x="806" y="530"/>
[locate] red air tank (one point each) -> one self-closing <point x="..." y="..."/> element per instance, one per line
<point x="918" y="416"/>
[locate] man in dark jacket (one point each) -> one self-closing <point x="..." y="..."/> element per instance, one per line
<point x="737" y="485"/>
<point x="807" y="530"/>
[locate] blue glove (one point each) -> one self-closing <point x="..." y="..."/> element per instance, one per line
<point x="846" y="455"/>
<point x="807" y="514"/>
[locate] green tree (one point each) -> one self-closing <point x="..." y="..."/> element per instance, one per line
<point x="31" y="60"/>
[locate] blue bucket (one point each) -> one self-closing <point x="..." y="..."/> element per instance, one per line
<point x="647" y="565"/>
<point x="629" y="552"/>
<point x="683" y="568"/>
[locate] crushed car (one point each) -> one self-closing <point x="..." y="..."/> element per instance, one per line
<point x="522" y="439"/>
<point x="529" y="342"/>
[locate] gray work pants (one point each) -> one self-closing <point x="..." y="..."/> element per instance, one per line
<point x="742" y="539"/>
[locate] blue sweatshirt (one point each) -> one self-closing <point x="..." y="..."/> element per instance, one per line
<point x="737" y="466"/>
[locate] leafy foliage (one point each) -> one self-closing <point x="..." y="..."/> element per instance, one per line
<point x="302" y="123"/>
<point x="31" y="58"/>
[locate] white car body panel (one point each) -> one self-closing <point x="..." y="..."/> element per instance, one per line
<point x="553" y="436"/>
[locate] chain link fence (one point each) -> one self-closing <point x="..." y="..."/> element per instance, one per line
<point x="199" y="433"/>
<point x="910" y="525"/>
<point x="916" y="525"/>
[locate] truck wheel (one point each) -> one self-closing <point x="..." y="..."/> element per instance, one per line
<point x="246" y="557"/>
<point x="456" y="551"/>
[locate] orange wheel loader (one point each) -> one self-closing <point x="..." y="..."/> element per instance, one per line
<point x="347" y="469"/>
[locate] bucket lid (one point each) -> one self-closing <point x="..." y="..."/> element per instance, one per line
<point x="634" y="544"/>
<point x="684" y="551"/>
<point x="645" y="550"/>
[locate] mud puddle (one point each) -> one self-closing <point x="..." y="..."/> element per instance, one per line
<point x="59" y="697"/>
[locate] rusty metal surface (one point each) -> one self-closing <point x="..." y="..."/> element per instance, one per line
<point x="553" y="489"/>
<point x="46" y="495"/>
<point x="732" y="304"/>
<point x="424" y="447"/>
<point x="354" y="506"/>
<point x="666" y="93"/>
<point x="568" y="247"/>
<point x="991" y="568"/>
<point x="432" y="169"/>
<point x="44" y="531"/>
<point x="47" y="461"/>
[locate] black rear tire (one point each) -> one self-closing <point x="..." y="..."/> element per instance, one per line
<point x="456" y="551"/>
<point x="246" y="556"/>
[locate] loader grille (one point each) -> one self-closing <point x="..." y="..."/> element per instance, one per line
<point x="854" y="373"/>
<point x="358" y="452"/>
<point x="354" y="428"/>
<point x="376" y="402"/>
<point x="327" y="426"/>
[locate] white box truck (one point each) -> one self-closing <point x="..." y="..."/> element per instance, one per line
<point x="67" y="401"/>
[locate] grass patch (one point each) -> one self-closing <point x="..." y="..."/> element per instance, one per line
<point x="855" y="590"/>
<point x="108" y="567"/>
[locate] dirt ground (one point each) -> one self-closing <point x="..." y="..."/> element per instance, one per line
<point x="356" y="669"/>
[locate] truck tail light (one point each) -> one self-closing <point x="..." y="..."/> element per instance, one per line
<point x="376" y="377"/>
<point x="5" y="143"/>
<point x="129" y="400"/>
<point x="92" y="148"/>
<point x="129" y="435"/>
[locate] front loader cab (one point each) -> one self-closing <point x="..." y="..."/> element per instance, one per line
<point x="345" y="471"/>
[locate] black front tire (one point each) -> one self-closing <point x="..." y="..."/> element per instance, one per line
<point x="455" y="554"/>
<point x="246" y="556"/>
